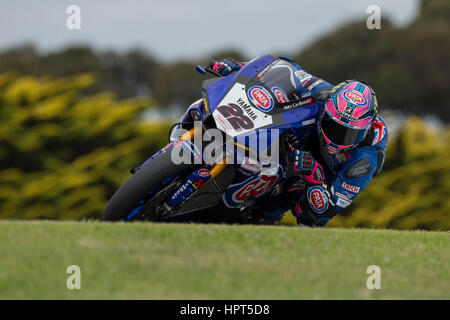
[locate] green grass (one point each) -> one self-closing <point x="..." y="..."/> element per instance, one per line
<point x="186" y="261"/>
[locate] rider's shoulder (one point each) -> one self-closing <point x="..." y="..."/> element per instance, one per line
<point x="380" y="133"/>
<point x="360" y="164"/>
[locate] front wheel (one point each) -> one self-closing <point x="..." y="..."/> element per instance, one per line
<point x="127" y="198"/>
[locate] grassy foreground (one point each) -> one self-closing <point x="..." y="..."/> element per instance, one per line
<point x="184" y="261"/>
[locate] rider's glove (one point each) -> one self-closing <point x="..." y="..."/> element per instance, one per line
<point x="314" y="207"/>
<point x="304" y="163"/>
<point x="225" y="66"/>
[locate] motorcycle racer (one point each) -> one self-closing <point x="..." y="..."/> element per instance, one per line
<point x="341" y="158"/>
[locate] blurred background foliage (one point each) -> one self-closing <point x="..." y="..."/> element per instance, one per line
<point x="72" y="122"/>
<point x="62" y="155"/>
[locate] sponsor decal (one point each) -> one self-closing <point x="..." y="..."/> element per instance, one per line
<point x="197" y="184"/>
<point x="337" y="194"/>
<point x="255" y="186"/>
<point x="280" y="94"/>
<point x="297" y="104"/>
<point x="355" y="97"/>
<point x="177" y="143"/>
<point x="351" y="188"/>
<point x="346" y="115"/>
<point x="182" y="189"/>
<point x="359" y="169"/>
<point x="314" y="84"/>
<point x="348" y="111"/>
<point x="308" y="122"/>
<point x="317" y="199"/>
<point x="261" y="98"/>
<point x="252" y="167"/>
<point x="342" y="203"/>
<point x="303" y="76"/>
<point x="203" y="172"/>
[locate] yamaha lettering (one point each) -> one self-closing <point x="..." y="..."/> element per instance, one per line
<point x="247" y="108"/>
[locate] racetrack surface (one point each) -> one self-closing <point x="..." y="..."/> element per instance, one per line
<point x="200" y="261"/>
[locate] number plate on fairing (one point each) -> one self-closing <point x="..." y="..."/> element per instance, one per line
<point x="235" y="115"/>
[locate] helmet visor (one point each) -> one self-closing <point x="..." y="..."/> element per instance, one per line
<point x="340" y="134"/>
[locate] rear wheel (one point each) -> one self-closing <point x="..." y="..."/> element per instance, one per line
<point x="128" y="197"/>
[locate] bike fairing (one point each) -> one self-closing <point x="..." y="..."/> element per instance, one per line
<point x="346" y="174"/>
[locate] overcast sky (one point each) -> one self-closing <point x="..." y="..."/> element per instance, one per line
<point x="175" y="29"/>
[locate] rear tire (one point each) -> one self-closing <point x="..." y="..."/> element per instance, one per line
<point x="128" y="196"/>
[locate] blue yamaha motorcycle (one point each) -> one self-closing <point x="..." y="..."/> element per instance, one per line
<point x="259" y="100"/>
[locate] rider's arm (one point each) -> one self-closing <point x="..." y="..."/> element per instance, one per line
<point x="364" y="163"/>
<point x="322" y="201"/>
<point x="308" y="83"/>
<point x="226" y="66"/>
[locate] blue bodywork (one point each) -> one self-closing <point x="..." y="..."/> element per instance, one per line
<point x="247" y="182"/>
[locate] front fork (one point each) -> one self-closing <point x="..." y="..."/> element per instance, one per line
<point x="196" y="179"/>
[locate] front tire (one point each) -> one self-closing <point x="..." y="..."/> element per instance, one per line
<point x="150" y="176"/>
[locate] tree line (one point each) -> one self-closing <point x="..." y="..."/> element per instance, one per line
<point x="408" y="67"/>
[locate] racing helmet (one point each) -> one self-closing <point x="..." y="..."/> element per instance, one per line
<point x="348" y="115"/>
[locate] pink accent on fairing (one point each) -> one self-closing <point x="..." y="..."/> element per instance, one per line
<point x="310" y="178"/>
